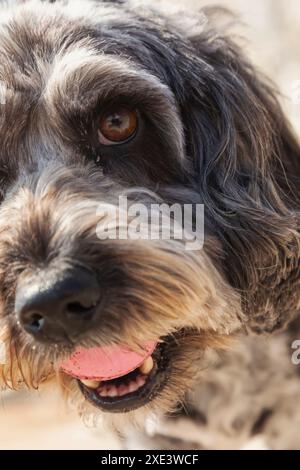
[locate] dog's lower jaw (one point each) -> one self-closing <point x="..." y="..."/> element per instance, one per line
<point x="188" y="357"/>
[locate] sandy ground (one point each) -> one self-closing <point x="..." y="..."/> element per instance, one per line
<point x="40" y="421"/>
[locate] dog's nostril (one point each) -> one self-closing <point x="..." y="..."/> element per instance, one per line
<point x="35" y="323"/>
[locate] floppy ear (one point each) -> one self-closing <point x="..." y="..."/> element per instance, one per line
<point x="246" y="165"/>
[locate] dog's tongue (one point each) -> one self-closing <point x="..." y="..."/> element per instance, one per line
<point x="105" y="363"/>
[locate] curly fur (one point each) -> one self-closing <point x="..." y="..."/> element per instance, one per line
<point x="216" y="135"/>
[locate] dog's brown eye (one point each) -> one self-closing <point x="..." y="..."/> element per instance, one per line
<point x="117" y="126"/>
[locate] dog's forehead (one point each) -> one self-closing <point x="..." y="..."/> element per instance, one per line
<point x="34" y="33"/>
<point x="58" y="50"/>
<point x="31" y="37"/>
<point x="32" y="44"/>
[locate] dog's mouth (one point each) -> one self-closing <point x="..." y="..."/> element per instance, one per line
<point x="130" y="391"/>
<point x="109" y="380"/>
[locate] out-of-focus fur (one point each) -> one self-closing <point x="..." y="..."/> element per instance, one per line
<point x="214" y="133"/>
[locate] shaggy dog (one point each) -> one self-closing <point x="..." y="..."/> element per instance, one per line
<point x="107" y="98"/>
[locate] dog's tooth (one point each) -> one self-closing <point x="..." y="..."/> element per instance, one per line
<point x="91" y="383"/>
<point x="123" y="390"/>
<point x="112" y="391"/>
<point x="147" y="366"/>
<point x="140" y="381"/>
<point x="103" y="392"/>
<point x="132" y="387"/>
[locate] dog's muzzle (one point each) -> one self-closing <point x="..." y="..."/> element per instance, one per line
<point x="58" y="307"/>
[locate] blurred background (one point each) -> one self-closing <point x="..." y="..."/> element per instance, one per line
<point x="272" y="32"/>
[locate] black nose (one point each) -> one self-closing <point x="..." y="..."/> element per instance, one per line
<point x="56" y="306"/>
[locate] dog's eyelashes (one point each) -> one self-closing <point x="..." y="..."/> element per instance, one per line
<point x="117" y="126"/>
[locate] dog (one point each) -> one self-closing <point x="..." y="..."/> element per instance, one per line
<point x="106" y="99"/>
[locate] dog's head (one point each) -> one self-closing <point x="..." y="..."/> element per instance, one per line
<point x="103" y="99"/>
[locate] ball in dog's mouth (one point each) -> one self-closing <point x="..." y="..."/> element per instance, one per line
<point x="116" y="379"/>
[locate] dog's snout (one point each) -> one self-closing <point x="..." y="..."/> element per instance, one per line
<point x="55" y="308"/>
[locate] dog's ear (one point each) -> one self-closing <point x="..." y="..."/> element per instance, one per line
<point x="246" y="164"/>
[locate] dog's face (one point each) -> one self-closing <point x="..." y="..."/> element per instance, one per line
<point x="99" y="101"/>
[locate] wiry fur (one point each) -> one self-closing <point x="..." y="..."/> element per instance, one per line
<point x="213" y="132"/>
